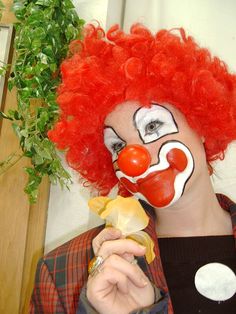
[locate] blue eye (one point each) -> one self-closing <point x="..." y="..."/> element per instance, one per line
<point x="153" y="127"/>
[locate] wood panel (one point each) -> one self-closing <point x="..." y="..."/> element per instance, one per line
<point x="14" y="213"/>
<point x="22" y="226"/>
<point x="34" y="244"/>
<point x="8" y="16"/>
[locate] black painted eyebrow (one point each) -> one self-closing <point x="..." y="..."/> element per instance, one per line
<point x="110" y="127"/>
<point x="155" y="104"/>
<point x="134" y="116"/>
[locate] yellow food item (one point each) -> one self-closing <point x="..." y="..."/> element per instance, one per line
<point x="127" y="215"/>
<point x="144" y="239"/>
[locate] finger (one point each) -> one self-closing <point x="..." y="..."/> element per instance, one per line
<point x="120" y="247"/>
<point x="106" y="279"/>
<point x="106" y="234"/>
<point x="132" y="271"/>
<point x="128" y="257"/>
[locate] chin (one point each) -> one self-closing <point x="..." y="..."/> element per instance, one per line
<point x="158" y="202"/>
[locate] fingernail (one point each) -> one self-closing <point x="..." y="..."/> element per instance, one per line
<point x="142" y="247"/>
<point x="144" y="281"/>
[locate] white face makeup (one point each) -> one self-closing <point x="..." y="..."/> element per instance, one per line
<point x="113" y="142"/>
<point x="154" y="122"/>
<point x="172" y="163"/>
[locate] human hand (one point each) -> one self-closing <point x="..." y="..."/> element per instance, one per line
<point x="118" y="286"/>
<point x="127" y="215"/>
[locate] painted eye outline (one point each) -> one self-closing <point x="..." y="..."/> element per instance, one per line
<point x="116" y="151"/>
<point x="154" y="130"/>
<point x="112" y="142"/>
<point x="174" y="126"/>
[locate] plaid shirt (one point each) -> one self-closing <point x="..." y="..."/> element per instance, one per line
<point x="62" y="273"/>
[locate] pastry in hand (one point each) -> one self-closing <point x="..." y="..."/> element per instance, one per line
<point x="127" y="215"/>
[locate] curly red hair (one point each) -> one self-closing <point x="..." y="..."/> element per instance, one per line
<point x="166" y="67"/>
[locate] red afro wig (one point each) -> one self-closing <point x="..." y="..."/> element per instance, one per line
<point x="103" y="71"/>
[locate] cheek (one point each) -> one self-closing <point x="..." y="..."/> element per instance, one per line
<point x="153" y="149"/>
<point x="196" y="147"/>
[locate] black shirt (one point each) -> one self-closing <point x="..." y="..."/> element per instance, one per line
<point x="183" y="257"/>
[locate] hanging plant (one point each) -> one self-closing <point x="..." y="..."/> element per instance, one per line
<point x="1" y="8"/>
<point x="43" y="32"/>
<point x="3" y="66"/>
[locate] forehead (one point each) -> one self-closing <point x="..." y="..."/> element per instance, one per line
<point x="124" y="113"/>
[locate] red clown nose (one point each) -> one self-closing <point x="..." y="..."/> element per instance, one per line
<point x="134" y="160"/>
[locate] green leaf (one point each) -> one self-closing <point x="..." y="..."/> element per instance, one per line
<point x="48" y="51"/>
<point x="14" y="114"/>
<point x="67" y="4"/>
<point x="37" y="159"/>
<point x="28" y="154"/>
<point x="16" y="129"/>
<point x="44" y="2"/>
<point x="42" y="58"/>
<point x="53" y="67"/>
<point x="71" y="32"/>
<point x="42" y="120"/>
<point x="10" y="84"/>
<point x="33" y="184"/>
<point x="25" y="92"/>
<point x="35" y="20"/>
<point x="24" y="133"/>
<point x="39" y="33"/>
<point x="19" y="9"/>
<point x="42" y="153"/>
<point x="3" y="69"/>
<point x="43" y="32"/>
<point x="36" y="43"/>
<point x="1" y="5"/>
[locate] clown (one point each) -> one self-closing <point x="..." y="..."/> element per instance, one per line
<point x="158" y="177"/>
<point x="149" y="112"/>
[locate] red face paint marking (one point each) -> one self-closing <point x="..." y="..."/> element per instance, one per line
<point x="158" y="186"/>
<point x="177" y="159"/>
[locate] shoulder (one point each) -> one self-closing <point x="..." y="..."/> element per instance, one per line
<point x="62" y="272"/>
<point x="225" y="202"/>
<point x="79" y="248"/>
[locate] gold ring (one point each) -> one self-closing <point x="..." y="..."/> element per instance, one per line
<point x="95" y="264"/>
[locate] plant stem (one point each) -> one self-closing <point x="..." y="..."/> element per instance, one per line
<point x="7" y="164"/>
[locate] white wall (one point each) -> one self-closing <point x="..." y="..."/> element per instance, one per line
<point x="213" y="24"/>
<point x="92" y="10"/>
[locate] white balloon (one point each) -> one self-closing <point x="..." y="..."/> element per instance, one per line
<point x="215" y="281"/>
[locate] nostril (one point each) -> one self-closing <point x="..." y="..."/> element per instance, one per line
<point x="134" y="160"/>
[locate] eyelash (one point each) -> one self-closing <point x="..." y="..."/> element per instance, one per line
<point x="116" y="149"/>
<point x="158" y="124"/>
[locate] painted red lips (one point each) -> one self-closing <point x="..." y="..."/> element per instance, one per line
<point x="158" y="186"/>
